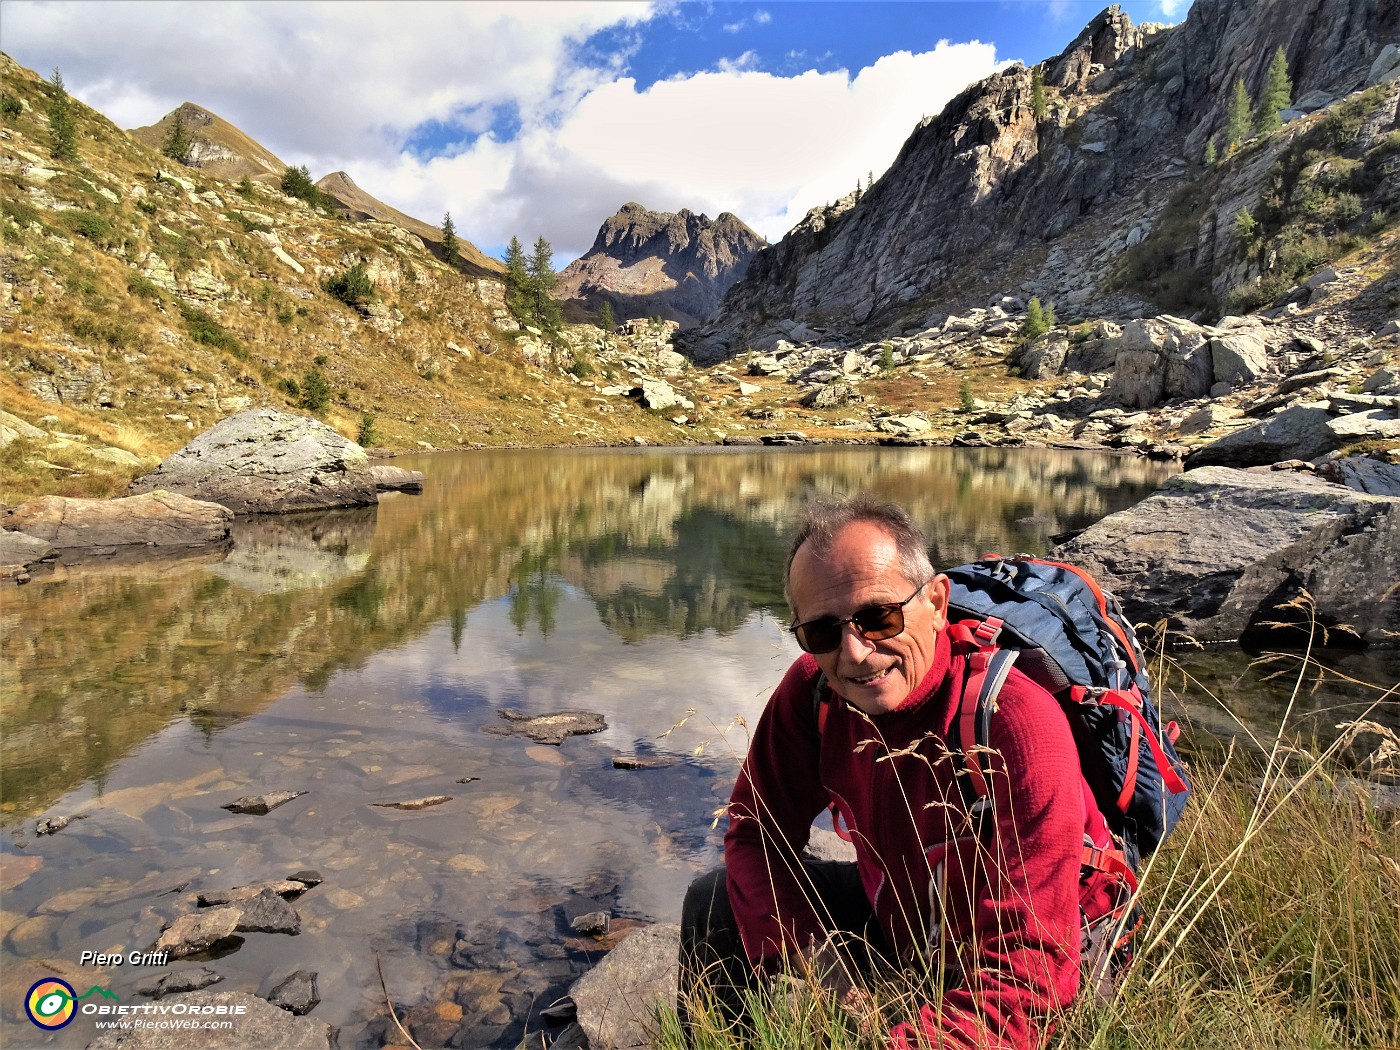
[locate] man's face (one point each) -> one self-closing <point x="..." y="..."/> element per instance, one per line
<point x="862" y="568"/>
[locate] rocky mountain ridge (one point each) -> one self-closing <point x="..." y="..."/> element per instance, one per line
<point x="674" y="265"/>
<point x="991" y="196"/>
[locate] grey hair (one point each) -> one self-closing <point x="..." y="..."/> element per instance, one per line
<point x="821" y="520"/>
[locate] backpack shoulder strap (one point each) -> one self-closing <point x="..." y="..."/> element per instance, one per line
<point x="987" y="671"/>
<point x="821" y="707"/>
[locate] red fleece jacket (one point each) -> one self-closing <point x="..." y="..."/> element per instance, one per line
<point x="997" y="918"/>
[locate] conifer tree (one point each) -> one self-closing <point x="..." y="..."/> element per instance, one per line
<point x="1036" y="323"/>
<point x="450" y="254"/>
<point x="517" y="279"/>
<point x="1038" y="94"/>
<point x="542" y="282"/>
<point x="61" y="123"/>
<point x="605" y="318"/>
<point x="1209" y="157"/>
<point x="1278" y="95"/>
<point x="1237" y="118"/>
<point x="177" y="140"/>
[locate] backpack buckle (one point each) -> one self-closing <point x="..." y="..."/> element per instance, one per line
<point x="988" y="631"/>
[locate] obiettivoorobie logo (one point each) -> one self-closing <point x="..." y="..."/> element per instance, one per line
<point x="51" y="1003"/>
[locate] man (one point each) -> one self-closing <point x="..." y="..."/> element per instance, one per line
<point x="984" y="914"/>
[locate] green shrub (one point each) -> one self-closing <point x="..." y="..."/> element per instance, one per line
<point x="86" y="224"/>
<point x="886" y="357"/>
<point x="289" y="386"/>
<point x="206" y="330"/>
<point x="146" y="206"/>
<point x="138" y="284"/>
<point x="965" y="394"/>
<point x="315" y="390"/>
<point x="368" y="436"/>
<point x="352" y="287"/>
<point x="245" y="188"/>
<point x="1346" y="209"/>
<point x="1246" y="226"/>
<point x="249" y="225"/>
<point x="21" y="213"/>
<point x="10" y="106"/>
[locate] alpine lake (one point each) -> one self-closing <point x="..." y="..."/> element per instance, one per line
<point x="369" y="658"/>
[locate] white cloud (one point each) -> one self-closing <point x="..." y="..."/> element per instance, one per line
<point x="342" y="86"/>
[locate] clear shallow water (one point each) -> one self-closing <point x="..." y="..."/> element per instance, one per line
<point x="359" y="656"/>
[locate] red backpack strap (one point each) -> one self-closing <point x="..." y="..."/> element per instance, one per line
<point x="821" y="707"/>
<point x="1131" y="703"/>
<point x="987" y="670"/>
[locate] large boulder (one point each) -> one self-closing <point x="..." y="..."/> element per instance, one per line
<point x="1160" y="359"/>
<point x="262" y="461"/>
<point x="616" y="998"/>
<point x="1215" y="552"/>
<point x="154" y="519"/>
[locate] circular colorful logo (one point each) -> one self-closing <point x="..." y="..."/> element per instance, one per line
<point x="50" y="1003"/>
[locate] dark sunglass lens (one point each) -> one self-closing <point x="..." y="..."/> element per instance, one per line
<point x="818" y="636"/>
<point x="879" y="621"/>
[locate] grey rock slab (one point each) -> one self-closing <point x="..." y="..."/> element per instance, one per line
<point x="155" y="519"/>
<point x="1216" y="550"/>
<point x="260" y="1024"/>
<point x="1363" y="474"/>
<point x="258" y="805"/>
<point x="616" y="998"/>
<point x="415" y="803"/>
<point x="264" y="461"/>
<point x="191" y="934"/>
<point x="267" y="913"/>
<point x="179" y="981"/>
<point x="594" y="922"/>
<point x="397" y="479"/>
<point x="18" y="548"/>
<point x="298" y="994"/>
<point x="548" y="729"/>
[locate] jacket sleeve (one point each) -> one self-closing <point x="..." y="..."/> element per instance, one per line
<point x="1011" y="904"/>
<point x="776" y="797"/>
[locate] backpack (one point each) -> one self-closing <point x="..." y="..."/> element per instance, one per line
<point x="1068" y="635"/>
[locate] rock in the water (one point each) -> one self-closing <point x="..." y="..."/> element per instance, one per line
<point x="397" y="479"/>
<point x="267" y="913"/>
<point x="306" y="877"/>
<point x="178" y="982"/>
<point x="49" y="825"/>
<point x="615" y="999"/>
<point x="157" y="519"/>
<point x="416" y="803"/>
<point x="591" y="923"/>
<point x="298" y="994"/>
<point x="17" y="548"/>
<point x="260" y="1025"/>
<point x="191" y="934"/>
<point x="643" y="761"/>
<point x="1216" y="551"/>
<point x="284" y="888"/>
<point x="261" y="804"/>
<point x="550" y="728"/>
<point x="264" y="461"/>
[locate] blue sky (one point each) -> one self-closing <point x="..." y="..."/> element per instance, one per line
<point x="544" y="118"/>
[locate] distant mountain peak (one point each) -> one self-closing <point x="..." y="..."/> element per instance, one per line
<point x="673" y="264"/>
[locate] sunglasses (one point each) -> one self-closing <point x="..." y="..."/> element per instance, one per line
<point x="874" y="623"/>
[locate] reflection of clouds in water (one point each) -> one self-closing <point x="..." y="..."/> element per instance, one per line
<point x="642" y="689"/>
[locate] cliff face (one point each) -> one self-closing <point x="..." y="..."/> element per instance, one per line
<point x="987" y="197"/>
<point x="645" y="263"/>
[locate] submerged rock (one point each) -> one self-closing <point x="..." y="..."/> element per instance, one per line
<point x="298" y="994"/>
<point x="260" y="1024"/>
<point x="550" y="728"/>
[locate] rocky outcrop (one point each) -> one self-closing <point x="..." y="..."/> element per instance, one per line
<point x="1218" y="553"/>
<point x="979" y="191"/>
<point x="1306" y="431"/>
<point x="216" y="146"/>
<point x="645" y="263"/>
<point x="263" y="461"/>
<point x="155" y="519"/>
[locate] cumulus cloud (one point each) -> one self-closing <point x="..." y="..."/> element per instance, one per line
<point x="351" y="86"/>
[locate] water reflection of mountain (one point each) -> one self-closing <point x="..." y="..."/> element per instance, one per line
<point x="662" y="542"/>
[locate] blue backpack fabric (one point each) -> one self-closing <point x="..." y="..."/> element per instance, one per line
<point x="1071" y="638"/>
